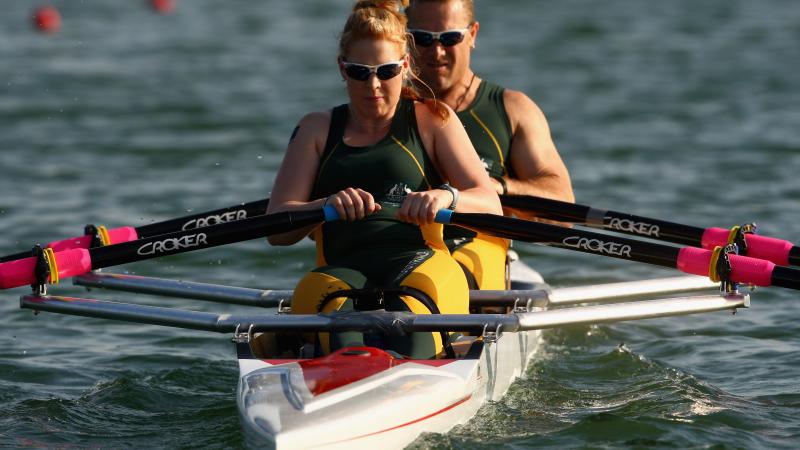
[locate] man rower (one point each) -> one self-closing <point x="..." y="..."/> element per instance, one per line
<point x="507" y="129"/>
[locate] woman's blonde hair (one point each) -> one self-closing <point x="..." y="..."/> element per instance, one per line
<point x="385" y="19"/>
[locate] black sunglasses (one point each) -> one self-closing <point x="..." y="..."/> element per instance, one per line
<point x="361" y="72"/>
<point x="448" y="38"/>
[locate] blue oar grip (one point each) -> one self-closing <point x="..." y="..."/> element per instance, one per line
<point x="443" y="216"/>
<point x="330" y="213"/>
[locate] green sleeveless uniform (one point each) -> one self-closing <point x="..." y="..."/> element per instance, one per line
<point x="489" y="130"/>
<point x="488" y="127"/>
<point x="380" y="250"/>
<point x="380" y="246"/>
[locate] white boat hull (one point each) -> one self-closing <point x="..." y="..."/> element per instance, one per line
<point x="281" y="403"/>
<point x="390" y="408"/>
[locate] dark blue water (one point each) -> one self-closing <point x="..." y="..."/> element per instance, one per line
<point x="682" y="110"/>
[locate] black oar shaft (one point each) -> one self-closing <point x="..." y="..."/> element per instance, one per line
<point x="15" y="256"/>
<point x="579" y="240"/>
<point x="191" y="221"/>
<point x="607" y="219"/>
<point x="77" y="261"/>
<point x="786" y="277"/>
<point x="546" y="208"/>
<point x="794" y="256"/>
<point x="199" y="220"/>
<point x="687" y="259"/>
<point x="206" y="237"/>
<point x="778" y="251"/>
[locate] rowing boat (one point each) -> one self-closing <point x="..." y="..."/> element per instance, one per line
<point x="364" y="397"/>
<point x="360" y="397"/>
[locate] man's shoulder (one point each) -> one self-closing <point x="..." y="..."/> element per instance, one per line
<point x="511" y="97"/>
<point x="518" y="102"/>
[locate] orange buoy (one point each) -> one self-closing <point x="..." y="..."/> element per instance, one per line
<point x="47" y="19"/>
<point x="163" y="6"/>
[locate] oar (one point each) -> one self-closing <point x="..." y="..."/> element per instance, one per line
<point x="692" y="260"/>
<point x="779" y="251"/>
<point x="77" y="261"/>
<point x="126" y="234"/>
<point x="776" y="250"/>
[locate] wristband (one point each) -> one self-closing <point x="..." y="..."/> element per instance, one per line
<point x="453" y="191"/>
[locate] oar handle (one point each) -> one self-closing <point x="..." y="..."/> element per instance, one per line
<point x="444" y="216"/>
<point x="330" y="213"/>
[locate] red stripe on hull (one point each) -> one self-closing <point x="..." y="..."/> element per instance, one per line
<point x="433" y="414"/>
<point x="349" y="365"/>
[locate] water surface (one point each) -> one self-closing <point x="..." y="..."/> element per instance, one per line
<point x="681" y="110"/>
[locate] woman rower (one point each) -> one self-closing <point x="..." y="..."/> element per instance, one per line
<point x="384" y="161"/>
